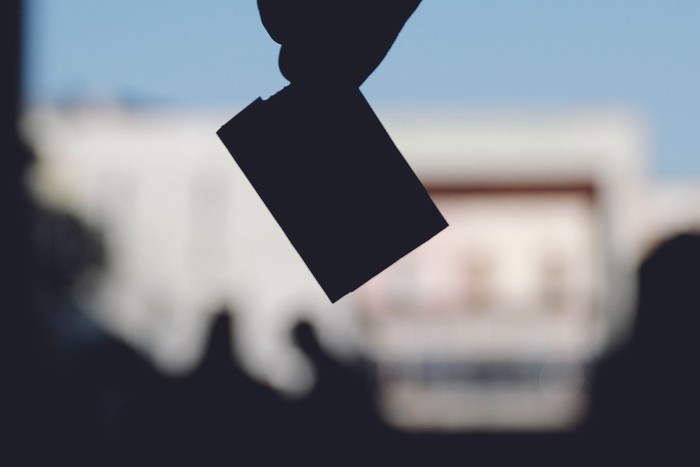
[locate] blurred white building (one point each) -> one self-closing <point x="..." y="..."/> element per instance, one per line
<point x="489" y="325"/>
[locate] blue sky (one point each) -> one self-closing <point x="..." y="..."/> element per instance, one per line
<point x="637" y="54"/>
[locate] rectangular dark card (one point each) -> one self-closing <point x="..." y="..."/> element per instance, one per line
<point x="331" y="176"/>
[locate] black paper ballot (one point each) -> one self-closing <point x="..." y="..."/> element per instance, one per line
<point x="317" y="154"/>
<point x="334" y="181"/>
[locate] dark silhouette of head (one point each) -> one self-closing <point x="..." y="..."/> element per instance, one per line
<point x="644" y="395"/>
<point x="219" y="352"/>
<point x="306" y="340"/>
<point x="669" y="297"/>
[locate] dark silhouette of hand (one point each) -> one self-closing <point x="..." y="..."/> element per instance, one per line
<point x="333" y="42"/>
<point x="317" y="154"/>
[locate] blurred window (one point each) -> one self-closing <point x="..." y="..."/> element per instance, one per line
<point x="479" y="283"/>
<point x="553" y="283"/>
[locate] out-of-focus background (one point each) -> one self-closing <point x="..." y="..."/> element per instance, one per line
<point x="558" y="139"/>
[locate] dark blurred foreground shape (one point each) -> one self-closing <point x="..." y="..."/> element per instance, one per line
<point x="22" y="366"/>
<point x="319" y="157"/>
<point x="645" y="395"/>
<point x="88" y="399"/>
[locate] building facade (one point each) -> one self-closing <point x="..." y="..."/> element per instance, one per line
<point x="490" y="325"/>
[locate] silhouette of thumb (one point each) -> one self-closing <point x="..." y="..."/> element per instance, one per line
<point x="333" y="42"/>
